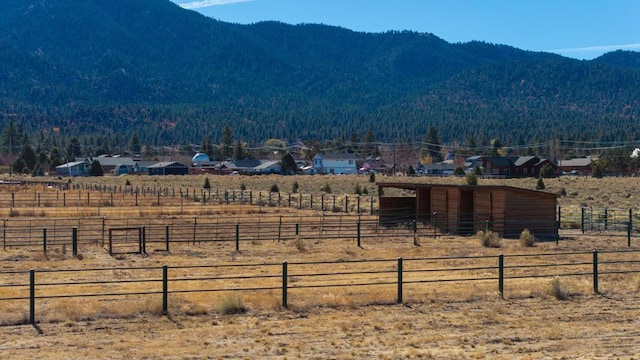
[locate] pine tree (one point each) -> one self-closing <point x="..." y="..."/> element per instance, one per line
<point x="289" y="166"/>
<point x="433" y="146"/>
<point x="96" y="169"/>
<point x="226" y="142"/>
<point x="134" y="144"/>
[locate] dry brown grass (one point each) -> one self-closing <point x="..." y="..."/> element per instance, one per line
<point x="438" y="320"/>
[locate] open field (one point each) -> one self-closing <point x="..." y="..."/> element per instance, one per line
<point x="620" y="192"/>
<point x="464" y="320"/>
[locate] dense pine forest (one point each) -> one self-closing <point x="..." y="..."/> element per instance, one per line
<point x="95" y="74"/>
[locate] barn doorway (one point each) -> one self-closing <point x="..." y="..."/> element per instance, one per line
<point x="466" y="213"/>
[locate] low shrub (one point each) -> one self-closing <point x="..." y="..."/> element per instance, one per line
<point x="527" y="239"/>
<point x="558" y="289"/>
<point x="489" y="239"/>
<point x="300" y="245"/>
<point x="231" y="304"/>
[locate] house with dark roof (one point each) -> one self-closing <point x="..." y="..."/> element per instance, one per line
<point x="577" y="166"/>
<point x="507" y="167"/>
<point x="168" y="168"/>
<point x="376" y="166"/>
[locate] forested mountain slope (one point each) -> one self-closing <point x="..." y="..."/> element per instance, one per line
<point x="98" y="67"/>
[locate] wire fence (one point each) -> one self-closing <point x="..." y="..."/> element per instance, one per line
<point x="176" y="233"/>
<point x="394" y="280"/>
<point x="234" y="232"/>
<point x="60" y="199"/>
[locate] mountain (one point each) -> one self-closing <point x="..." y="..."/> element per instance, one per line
<point x="96" y="68"/>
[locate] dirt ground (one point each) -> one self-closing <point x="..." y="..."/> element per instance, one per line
<point x="586" y="327"/>
<point x="531" y="325"/>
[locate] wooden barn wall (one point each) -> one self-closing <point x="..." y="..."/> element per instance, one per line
<point x="423" y="204"/>
<point x="396" y="209"/>
<point x="529" y="211"/>
<point x="453" y="209"/>
<point x="498" y="208"/>
<point x="481" y="209"/>
<point x="439" y="206"/>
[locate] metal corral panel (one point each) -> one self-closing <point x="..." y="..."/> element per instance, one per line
<point x="395" y="210"/>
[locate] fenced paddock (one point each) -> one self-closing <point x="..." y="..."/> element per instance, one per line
<point x="46" y="295"/>
<point x="67" y="200"/>
<point x="179" y="232"/>
<point x="229" y="232"/>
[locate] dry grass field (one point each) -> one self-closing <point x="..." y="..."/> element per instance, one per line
<point x="443" y="320"/>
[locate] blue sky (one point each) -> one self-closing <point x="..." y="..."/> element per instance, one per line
<point x="581" y="29"/>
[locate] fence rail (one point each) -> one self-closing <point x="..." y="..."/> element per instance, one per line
<point x="400" y="279"/>
<point x="174" y="232"/>
<point x="65" y="198"/>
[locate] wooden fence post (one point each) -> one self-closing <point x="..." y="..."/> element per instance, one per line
<point x="285" y="303"/>
<point x="165" y="290"/>
<point x="400" y="280"/>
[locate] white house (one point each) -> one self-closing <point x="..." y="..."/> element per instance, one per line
<point x="334" y="164"/>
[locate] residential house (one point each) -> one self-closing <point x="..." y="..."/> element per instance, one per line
<point x="531" y="166"/>
<point x="444" y="168"/>
<point x="111" y="163"/>
<point x="507" y="167"/>
<point x="168" y="168"/>
<point x="376" y="166"/>
<point x="75" y="168"/>
<point x="334" y="164"/>
<point x="577" y="166"/>
<point x="244" y="166"/>
<point x="268" y="167"/>
<point x="497" y="166"/>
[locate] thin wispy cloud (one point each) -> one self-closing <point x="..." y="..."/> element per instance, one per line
<point x="604" y="48"/>
<point x="208" y="3"/>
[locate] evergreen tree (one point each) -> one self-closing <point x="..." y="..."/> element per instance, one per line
<point x="472" y="179"/>
<point x="226" y="141"/>
<point x="10" y="138"/>
<point x="238" y="150"/>
<point x="43" y="160"/>
<point x="96" y="169"/>
<point x="134" y="144"/>
<point x="207" y="147"/>
<point x="73" y="149"/>
<point x="37" y="171"/>
<point x="370" y="148"/>
<point x="547" y="171"/>
<point x="28" y="156"/>
<point x="289" y="166"/>
<point x="55" y="159"/>
<point x="597" y="171"/>
<point x="496" y="148"/>
<point x="432" y="146"/>
<point x="19" y="166"/>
